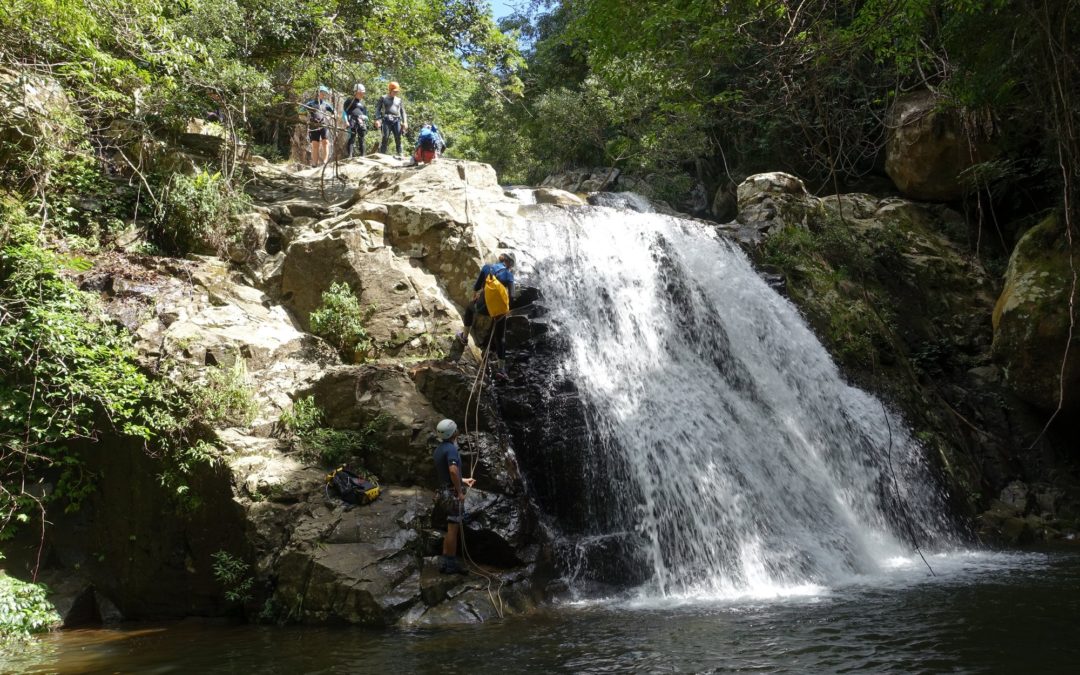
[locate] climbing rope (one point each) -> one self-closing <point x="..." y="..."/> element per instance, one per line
<point x="896" y="490"/>
<point x="477" y="390"/>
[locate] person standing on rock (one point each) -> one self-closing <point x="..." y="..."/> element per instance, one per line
<point x="485" y="291"/>
<point x="451" y="495"/>
<point x="320" y="116"/>
<point x="356" y="117"/>
<point x="390" y="116"/>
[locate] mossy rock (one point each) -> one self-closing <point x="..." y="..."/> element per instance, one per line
<point x="1031" y="320"/>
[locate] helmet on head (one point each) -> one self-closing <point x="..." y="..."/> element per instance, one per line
<point x="508" y="258"/>
<point x="360" y="88"/>
<point x="323" y="89"/>
<point x="394" y="86"/>
<point x="446" y="429"/>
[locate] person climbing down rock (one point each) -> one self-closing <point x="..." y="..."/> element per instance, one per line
<point x="320" y="115"/>
<point x="451" y="495"/>
<point x="390" y="116"/>
<point x="492" y="292"/>
<point x="356" y="117"/>
<point x="429" y="145"/>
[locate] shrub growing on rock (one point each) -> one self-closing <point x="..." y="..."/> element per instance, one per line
<point x="193" y="214"/>
<point x="342" y="321"/>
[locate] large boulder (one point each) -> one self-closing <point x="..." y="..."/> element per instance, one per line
<point x="448" y="217"/>
<point x="364" y="566"/>
<point x="769" y="202"/>
<point x="597" y="179"/>
<point x="1032" y="320"/>
<point x="928" y="148"/>
<point x="409" y="310"/>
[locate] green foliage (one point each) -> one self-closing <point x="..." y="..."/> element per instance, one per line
<point x="304" y="417"/>
<point x="69" y="374"/>
<point x="194" y="213"/>
<point x="305" y="423"/>
<point x="24" y="610"/>
<point x="828" y="265"/>
<point x="65" y="366"/>
<point x="342" y="321"/>
<point x="225" y="397"/>
<point x="232" y="573"/>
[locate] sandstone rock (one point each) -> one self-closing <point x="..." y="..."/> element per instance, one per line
<point x="1015" y="496"/>
<point x="596" y="179"/>
<point x="927" y="148"/>
<point x="546" y="195"/>
<point x="352" y="397"/>
<point x="771" y="201"/>
<point x="450" y="217"/>
<point x="409" y="310"/>
<point x="1031" y="321"/>
<point x="365" y="572"/>
<point x="252" y="230"/>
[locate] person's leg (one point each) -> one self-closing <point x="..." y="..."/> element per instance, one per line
<point x="349" y="143"/>
<point x="385" y="136"/>
<point x="500" y="337"/>
<point x="449" y="545"/>
<point x="397" y="136"/>
<point x="362" y="133"/>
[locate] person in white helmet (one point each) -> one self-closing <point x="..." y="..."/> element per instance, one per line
<point x="451" y="494"/>
<point x="356" y="117"/>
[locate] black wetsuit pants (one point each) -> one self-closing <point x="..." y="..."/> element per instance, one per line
<point x="498" y="340"/>
<point x="356" y="135"/>
<point x="390" y="125"/>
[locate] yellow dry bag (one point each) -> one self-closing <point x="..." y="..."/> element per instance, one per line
<point x="496" y="297"/>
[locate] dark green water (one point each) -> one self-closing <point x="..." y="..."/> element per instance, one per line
<point x="983" y="613"/>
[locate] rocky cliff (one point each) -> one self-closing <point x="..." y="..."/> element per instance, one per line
<point x="904" y="310"/>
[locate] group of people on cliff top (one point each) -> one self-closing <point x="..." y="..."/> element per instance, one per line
<point x="390" y="118"/>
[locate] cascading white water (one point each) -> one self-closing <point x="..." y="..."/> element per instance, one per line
<point x="723" y="438"/>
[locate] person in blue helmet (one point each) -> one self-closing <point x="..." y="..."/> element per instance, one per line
<point x="503" y="272"/>
<point x="320" y="116"/>
<point x="451" y="495"/>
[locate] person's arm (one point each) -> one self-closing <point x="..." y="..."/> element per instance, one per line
<point x="458" y="481"/>
<point x="345" y="110"/>
<point x="378" y="112"/>
<point x="480" y="281"/>
<point x="404" y="117"/>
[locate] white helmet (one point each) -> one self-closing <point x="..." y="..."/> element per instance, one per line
<point x="446" y="429"/>
<point x="360" y="88"/>
<point x="508" y="258"/>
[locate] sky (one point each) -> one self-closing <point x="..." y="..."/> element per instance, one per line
<point x="501" y="8"/>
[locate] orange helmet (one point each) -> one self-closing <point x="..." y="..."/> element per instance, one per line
<point x="394" y="86"/>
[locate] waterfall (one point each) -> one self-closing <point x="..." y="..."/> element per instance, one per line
<point x="725" y="454"/>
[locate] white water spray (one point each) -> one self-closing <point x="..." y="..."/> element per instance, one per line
<point x="723" y="439"/>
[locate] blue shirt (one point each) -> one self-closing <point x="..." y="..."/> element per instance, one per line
<point x="446" y="455"/>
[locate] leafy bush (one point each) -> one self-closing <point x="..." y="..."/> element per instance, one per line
<point x="194" y="213"/>
<point x="24" y="609"/>
<point x="305" y="423"/>
<point x="342" y="322"/>
<point x="231" y="573"/>
<point x="225" y="397"/>
<point x="65" y="367"/>
<point x="303" y="418"/>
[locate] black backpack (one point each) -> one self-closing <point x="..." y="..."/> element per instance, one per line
<point x="350" y="487"/>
